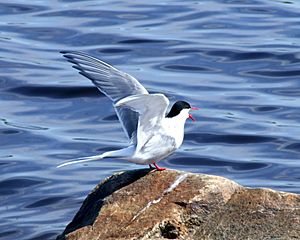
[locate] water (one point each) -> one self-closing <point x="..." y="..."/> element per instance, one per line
<point x="237" y="60"/>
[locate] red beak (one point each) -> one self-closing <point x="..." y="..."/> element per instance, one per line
<point x="191" y="116"/>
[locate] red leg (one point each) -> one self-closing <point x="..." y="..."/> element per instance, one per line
<point x="158" y="168"/>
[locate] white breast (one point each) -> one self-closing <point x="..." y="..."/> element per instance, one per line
<point x="174" y="126"/>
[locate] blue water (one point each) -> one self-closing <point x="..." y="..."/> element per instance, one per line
<point x="238" y="60"/>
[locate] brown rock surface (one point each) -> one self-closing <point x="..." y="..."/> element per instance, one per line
<point x="140" y="204"/>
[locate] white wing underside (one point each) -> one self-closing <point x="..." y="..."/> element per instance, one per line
<point x="115" y="84"/>
<point x="151" y="108"/>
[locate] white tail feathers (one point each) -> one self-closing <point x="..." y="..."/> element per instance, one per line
<point x="125" y="152"/>
<point x="80" y="160"/>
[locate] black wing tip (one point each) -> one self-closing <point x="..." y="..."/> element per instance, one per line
<point x="71" y="60"/>
<point x="77" y="67"/>
<point x="68" y="54"/>
<point x="74" y="54"/>
<point x="86" y="75"/>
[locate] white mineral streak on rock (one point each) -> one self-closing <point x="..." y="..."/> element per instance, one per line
<point x="177" y="181"/>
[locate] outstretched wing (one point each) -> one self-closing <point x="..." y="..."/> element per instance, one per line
<point x="151" y="108"/>
<point x="115" y="84"/>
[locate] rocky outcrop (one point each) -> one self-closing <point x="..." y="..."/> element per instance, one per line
<point x="144" y="204"/>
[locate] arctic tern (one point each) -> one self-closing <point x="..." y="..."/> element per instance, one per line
<point x="153" y="134"/>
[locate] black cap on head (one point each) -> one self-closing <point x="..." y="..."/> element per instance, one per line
<point x="177" y="107"/>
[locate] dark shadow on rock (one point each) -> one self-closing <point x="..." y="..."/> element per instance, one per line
<point x="94" y="202"/>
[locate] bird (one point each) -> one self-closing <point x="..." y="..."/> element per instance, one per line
<point x="153" y="133"/>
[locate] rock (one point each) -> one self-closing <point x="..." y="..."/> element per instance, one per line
<point x="140" y="204"/>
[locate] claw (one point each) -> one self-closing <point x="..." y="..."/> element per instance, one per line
<point x="158" y="168"/>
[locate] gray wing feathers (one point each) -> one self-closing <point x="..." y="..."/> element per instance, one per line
<point x="112" y="82"/>
<point x="129" y="120"/>
<point x="115" y="84"/>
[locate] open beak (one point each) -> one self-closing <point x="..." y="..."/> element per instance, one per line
<point x="191" y="116"/>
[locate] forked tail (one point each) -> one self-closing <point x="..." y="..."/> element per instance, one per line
<point x="80" y="160"/>
<point x="123" y="153"/>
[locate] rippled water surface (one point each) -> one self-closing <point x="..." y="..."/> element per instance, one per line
<point x="238" y="60"/>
